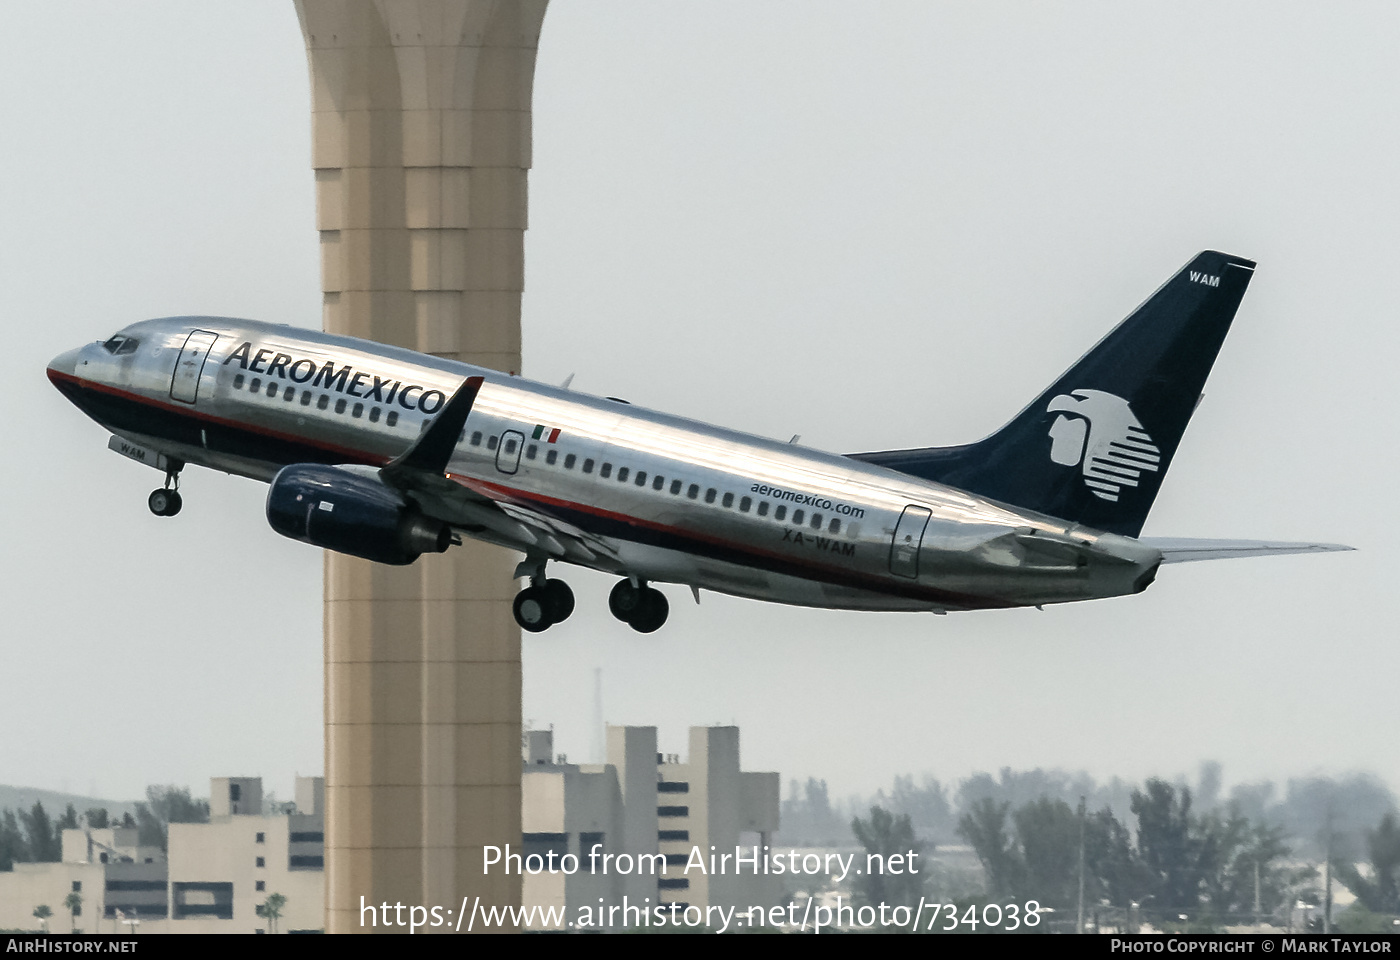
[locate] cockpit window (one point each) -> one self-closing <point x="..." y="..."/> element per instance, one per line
<point x="121" y="345"/>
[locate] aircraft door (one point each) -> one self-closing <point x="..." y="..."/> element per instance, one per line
<point x="508" y="451"/>
<point x="184" y="383"/>
<point x="908" y="537"/>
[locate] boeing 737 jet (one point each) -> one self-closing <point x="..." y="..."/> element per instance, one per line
<point x="387" y="454"/>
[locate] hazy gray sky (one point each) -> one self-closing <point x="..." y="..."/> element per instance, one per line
<point x="875" y="225"/>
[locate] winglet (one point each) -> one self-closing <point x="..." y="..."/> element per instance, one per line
<point x="433" y="450"/>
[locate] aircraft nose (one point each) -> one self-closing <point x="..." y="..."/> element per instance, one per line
<point x="65" y="364"/>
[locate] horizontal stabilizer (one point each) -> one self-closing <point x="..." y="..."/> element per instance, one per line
<point x="1184" y="550"/>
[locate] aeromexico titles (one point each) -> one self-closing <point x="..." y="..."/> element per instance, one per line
<point x="386" y="454"/>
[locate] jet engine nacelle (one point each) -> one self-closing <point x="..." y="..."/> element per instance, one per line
<point x="349" y="512"/>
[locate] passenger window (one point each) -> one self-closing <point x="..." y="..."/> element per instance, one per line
<point x="675" y="488"/>
<point x="531" y="450"/>
<point x="289" y="394"/>
<point x="622" y="475"/>
<point x="340" y="405"/>
<point x="641" y="480"/>
<point x="763" y="508"/>
<point x="256" y="385"/>
<point x="510" y="446"/>
<point x="588" y="466"/>
<point x="306" y="398"/>
<point x="728" y="500"/>
<point x="551" y="456"/>
<point x="491" y="443"/>
<point x="271" y="388"/>
<point x="744" y="504"/>
<point x="797" y="518"/>
<point x="835" y="525"/>
<point x="816" y="521"/>
<point x="392" y="419"/>
<point x="238" y="382"/>
<point x="322" y="402"/>
<point x="605" y="471"/>
<point x="373" y="414"/>
<point x="356" y="410"/>
<point x="476" y="439"/>
<point x="658" y="482"/>
<point x="779" y="513"/>
<point x="710" y="495"/>
<point x="694" y="491"/>
<point x="569" y="461"/>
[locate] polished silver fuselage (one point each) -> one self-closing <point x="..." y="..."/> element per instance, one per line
<point x="730" y="512"/>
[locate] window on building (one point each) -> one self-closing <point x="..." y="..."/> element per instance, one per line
<point x="261" y="862"/>
<point x="260" y="886"/>
<point x="77" y="886"/>
<point x="260" y="838"/>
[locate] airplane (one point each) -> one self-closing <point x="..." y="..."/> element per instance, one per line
<point x="386" y="454"/>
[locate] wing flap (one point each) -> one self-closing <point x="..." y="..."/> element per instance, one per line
<point x="1186" y="549"/>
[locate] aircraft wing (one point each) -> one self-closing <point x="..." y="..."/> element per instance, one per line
<point x="421" y="472"/>
<point x="1185" y="549"/>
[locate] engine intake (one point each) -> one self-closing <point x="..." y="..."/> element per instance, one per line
<point x="353" y="513"/>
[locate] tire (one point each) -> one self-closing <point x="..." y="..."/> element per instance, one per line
<point x="651" y="612"/>
<point x="531" y="609"/>
<point x="159" y="502"/>
<point x="176" y="502"/>
<point x="559" y="599"/>
<point x="624" y="600"/>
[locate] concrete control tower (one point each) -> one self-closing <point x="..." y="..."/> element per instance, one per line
<point x="421" y="144"/>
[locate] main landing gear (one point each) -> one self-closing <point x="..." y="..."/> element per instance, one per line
<point x="166" y="501"/>
<point x="642" y="608"/>
<point x="543" y="604"/>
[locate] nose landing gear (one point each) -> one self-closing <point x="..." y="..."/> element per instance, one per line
<point x="166" y="502"/>
<point x="642" y="608"/>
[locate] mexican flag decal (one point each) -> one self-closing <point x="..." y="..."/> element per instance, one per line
<point x="545" y="433"/>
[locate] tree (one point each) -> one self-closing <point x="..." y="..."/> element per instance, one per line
<point x="73" y="903"/>
<point x="69" y="821"/>
<point x="44" y="841"/>
<point x="272" y="909"/>
<point x="885" y="835"/>
<point x="1049" y="834"/>
<point x="166" y="805"/>
<point x="97" y="818"/>
<point x="42" y="914"/>
<point x="1380" y="893"/>
<point x="12" y="846"/>
<point x="984" y="826"/>
<point x="1169" y="849"/>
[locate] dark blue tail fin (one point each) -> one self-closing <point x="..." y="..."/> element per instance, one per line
<point x="1093" y="448"/>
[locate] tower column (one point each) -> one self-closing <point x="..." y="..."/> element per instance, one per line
<point x="421" y="146"/>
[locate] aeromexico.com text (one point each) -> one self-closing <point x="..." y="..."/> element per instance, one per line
<point x="356" y="383"/>
<point x="751" y="860"/>
<point x="807" y="500"/>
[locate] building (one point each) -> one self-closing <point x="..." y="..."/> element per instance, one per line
<point x="214" y="879"/>
<point x="642" y="826"/>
